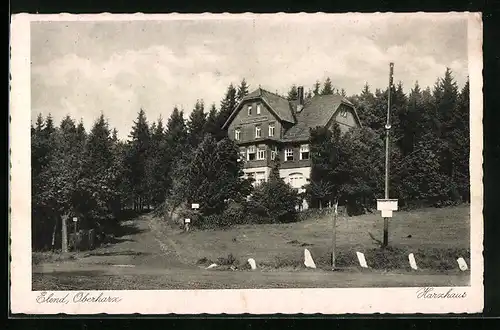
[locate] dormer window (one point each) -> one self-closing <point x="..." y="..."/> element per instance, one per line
<point x="271" y="129"/>
<point x="258" y="132"/>
<point x="237" y="134"/>
<point x="258" y="109"/>
<point x="304" y="152"/>
<point x="249" y="110"/>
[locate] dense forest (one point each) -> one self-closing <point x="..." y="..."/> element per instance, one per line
<point x="97" y="177"/>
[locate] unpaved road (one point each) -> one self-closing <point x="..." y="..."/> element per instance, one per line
<point x="144" y="259"/>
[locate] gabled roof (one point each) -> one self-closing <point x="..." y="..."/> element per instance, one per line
<point x="278" y="105"/>
<point x="317" y="111"/>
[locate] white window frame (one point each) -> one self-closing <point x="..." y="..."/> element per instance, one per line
<point x="258" y="130"/>
<point x="258" y="109"/>
<point x="288" y="152"/>
<point x="251" y="150"/>
<point x="304" y="148"/>
<point x="343" y="113"/>
<point x="261" y="153"/>
<point x="243" y="154"/>
<point x="271" y="129"/>
<point x="274" y="153"/>
<point x="237" y="134"/>
<point x="249" y="110"/>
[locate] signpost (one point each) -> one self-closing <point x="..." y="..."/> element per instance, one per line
<point x="386" y="205"/>
<point x="187" y="221"/>
<point x="75" y="221"/>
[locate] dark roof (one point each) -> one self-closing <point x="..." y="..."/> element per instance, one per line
<point x="317" y="111"/>
<point x="278" y="104"/>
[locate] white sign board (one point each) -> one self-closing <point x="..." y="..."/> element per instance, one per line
<point x="75" y="219"/>
<point x="187" y="220"/>
<point x="195" y="206"/>
<point x="362" y="260"/>
<point x="387" y="206"/>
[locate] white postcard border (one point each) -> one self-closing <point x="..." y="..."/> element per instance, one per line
<point x="263" y="301"/>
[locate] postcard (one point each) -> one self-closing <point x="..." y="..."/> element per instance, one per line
<point x="246" y="163"/>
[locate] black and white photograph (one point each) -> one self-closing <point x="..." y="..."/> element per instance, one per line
<point x="246" y="163"/>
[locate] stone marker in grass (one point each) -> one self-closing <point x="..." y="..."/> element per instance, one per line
<point x="462" y="264"/>
<point x="252" y="263"/>
<point x="362" y="260"/>
<point x="413" y="263"/>
<point x="308" y="260"/>
<point x="211" y="266"/>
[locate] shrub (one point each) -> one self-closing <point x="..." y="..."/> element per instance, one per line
<point x="275" y="199"/>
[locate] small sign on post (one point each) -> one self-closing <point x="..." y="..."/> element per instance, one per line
<point x="387" y="206"/>
<point x="75" y="219"/>
<point x="195" y="206"/>
<point x="186" y="224"/>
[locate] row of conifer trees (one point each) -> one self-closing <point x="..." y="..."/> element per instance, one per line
<point x="96" y="176"/>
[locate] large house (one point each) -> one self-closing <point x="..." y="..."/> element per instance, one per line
<point x="265" y="125"/>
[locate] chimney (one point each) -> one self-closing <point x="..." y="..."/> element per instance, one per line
<point x="300" y="92"/>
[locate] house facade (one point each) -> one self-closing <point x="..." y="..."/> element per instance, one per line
<point x="268" y="128"/>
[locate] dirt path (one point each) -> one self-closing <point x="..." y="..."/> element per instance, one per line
<point x="144" y="256"/>
<point x="140" y="246"/>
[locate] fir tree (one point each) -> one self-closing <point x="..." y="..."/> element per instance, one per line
<point x="316" y="89"/>
<point x="327" y="87"/>
<point x="242" y="90"/>
<point x="137" y="158"/>
<point x="196" y="124"/>
<point x="293" y="93"/>
<point x="227" y="107"/>
<point x="211" y="123"/>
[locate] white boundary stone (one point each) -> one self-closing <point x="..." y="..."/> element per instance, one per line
<point x="308" y="260"/>
<point x="413" y="263"/>
<point x="252" y="263"/>
<point x="211" y="266"/>
<point x="462" y="264"/>
<point x="361" y="259"/>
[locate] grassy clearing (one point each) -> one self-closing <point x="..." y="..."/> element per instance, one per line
<point x="437" y="237"/>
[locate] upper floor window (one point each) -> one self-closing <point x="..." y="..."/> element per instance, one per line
<point x="274" y="153"/>
<point x="261" y="153"/>
<point x="304" y="152"/>
<point x="251" y="153"/>
<point x="258" y="132"/>
<point x="289" y="154"/>
<point x="242" y="155"/>
<point x="258" y="109"/>
<point x="237" y="134"/>
<point x="249" y="109"/>
<point x="271" y="129"/>
<point x="343" y="113"/>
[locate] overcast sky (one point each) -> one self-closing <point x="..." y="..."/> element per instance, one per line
<point x="85" y="68"/>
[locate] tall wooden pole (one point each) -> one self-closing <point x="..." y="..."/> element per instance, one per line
<point x="387" y="129"/>
<point x="334" y="234"/>
<point x="64" y="234"/>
